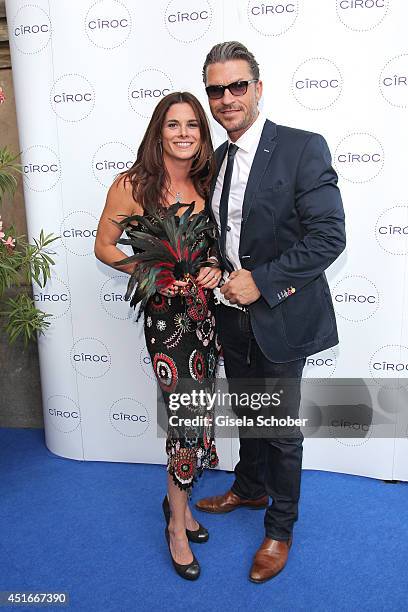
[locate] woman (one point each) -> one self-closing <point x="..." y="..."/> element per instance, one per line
<point x="174" y="164"/>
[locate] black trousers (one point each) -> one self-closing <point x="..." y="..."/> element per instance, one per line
<point x="267" y="466"/>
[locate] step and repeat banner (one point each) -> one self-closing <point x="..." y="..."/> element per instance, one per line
<point x="87" y="75"/>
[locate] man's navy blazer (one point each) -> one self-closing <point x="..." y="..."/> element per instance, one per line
<point x="292" y="230"/>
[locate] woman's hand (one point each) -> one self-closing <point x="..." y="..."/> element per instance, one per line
<point x="209" y="277"/>
<point x="173" y="289"/>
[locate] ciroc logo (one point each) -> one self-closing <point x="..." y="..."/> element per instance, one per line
<point x="361" y="15"/>
<point x="90" y="357"/>
<point x="31" y="29"/>
<point x="110" y="159"/>
<point x="355" y="298"/>
<point x="146" y="88"/>
<point x="72" y="97"/>
<point x="317" y="83"/>
<point x="129" y="417"/>
<point x="112" y="298"/>
<point x="108" y="24"/>
<point x="359" y="157"/>
<point x="54" y="298"/>
<point x="320" y="366"/>
<point x="63" y="413"/>
<point x="41" y="168"/>
<point x="349" y="421"/>
<point x="272" y="18"/>
<point x="391" y="230"/>
<point x="390" y="362"/>
<point x="188" y="21"/>
<point x="394" y="81"/>
<point x="78" y="232"/>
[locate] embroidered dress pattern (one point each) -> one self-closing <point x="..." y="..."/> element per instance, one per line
<point x="183" y="345"/>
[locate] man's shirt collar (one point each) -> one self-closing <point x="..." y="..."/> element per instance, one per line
<point x="250" y="138"/>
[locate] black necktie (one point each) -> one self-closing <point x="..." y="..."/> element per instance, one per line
<point x="232" y="149"/>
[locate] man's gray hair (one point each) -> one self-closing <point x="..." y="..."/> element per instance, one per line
<point x="232" y="50"/>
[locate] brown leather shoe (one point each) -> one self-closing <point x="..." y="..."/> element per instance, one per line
<point x="269" y="560"/>
<point x="219" y="504"/>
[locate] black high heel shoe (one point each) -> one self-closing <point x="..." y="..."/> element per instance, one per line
<point x="190" y="571"/>
<point x="199" y="536"/>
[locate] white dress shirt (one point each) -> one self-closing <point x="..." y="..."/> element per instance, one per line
<point x="248" y="144"/>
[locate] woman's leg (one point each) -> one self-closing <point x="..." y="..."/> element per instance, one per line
<point x="191" y="523"/>
<point x="179" y="545"/>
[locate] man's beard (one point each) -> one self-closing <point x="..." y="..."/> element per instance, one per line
<point x="246" y="121"/>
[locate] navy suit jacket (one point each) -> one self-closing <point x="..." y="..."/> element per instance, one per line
<point x="292" y="230"/>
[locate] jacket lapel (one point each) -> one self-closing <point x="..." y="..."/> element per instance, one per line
<point x="267" y="144"/>
<point x="219" y="158"/>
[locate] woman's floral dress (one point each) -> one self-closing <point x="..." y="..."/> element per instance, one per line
<point x="182" y="342"/>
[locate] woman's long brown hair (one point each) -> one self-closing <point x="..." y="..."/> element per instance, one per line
<point x="148" y="175"/>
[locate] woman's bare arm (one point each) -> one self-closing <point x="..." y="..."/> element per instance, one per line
<point x="119" y="201"/>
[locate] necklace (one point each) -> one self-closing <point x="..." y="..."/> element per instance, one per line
<point x="178" y="195"/>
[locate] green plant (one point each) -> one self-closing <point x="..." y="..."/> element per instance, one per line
<point x="21" y="263"/>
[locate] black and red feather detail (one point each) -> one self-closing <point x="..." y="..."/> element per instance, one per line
<point x="167" y="247"/>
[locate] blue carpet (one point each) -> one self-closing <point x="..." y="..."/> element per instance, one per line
<point x="95" y="530"/>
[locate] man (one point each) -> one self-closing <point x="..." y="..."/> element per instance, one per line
<point x="281" y="224"/>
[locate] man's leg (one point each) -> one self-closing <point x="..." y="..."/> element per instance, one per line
<point x="240" y="365"/>
<point x="283" y="459"/>
<point x="282" y="470"/>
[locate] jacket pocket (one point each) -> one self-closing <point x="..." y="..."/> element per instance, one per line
<point x="279" y="186"/>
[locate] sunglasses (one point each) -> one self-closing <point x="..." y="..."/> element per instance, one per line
<point x="237" y="88"/>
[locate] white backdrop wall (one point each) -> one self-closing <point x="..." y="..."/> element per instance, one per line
<point x="87" y="75"/>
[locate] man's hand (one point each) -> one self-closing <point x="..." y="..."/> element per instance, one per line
<point x="240" y="288"/>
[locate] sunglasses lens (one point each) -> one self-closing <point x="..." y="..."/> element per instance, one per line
<point x="214" y="92"/>
<point x="239" y="88"/>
